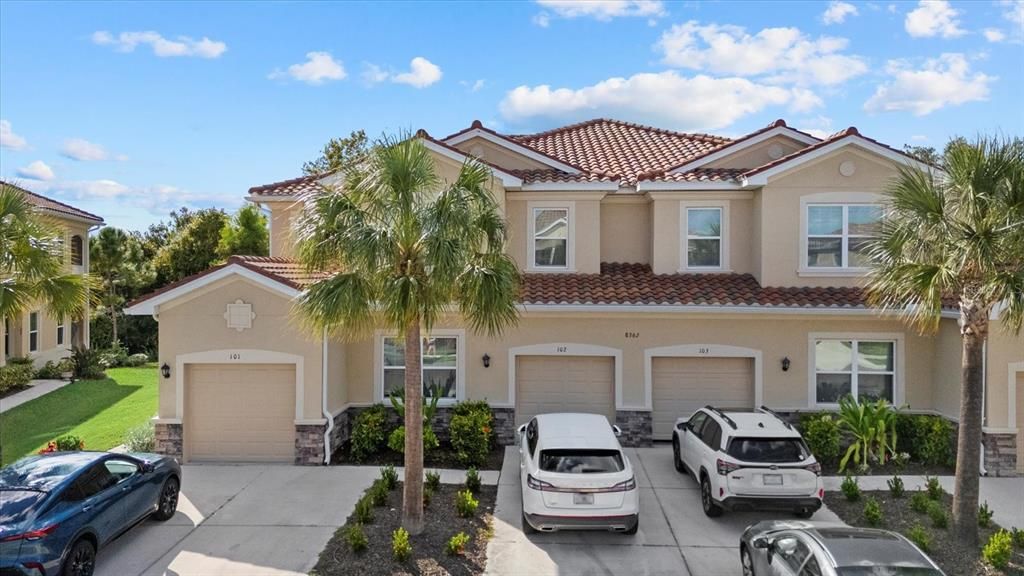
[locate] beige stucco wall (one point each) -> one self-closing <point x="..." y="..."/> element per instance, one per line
<point x="1003" y="349"/>
<point x="196" y="323"/>
<point x="946" y="372"/>
<point x="586" y="228"/>
<point x="282" y="216"/>
<point x="667" y="217"/>
<point x="337" y="363"/>
<point x="494" y="154"/>
<point x="626" y="230"/>
<point x="757" y="155"/>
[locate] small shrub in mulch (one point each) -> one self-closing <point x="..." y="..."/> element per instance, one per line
<point x="442" y="457"/>
<point x="438" y="550"/>
<point x="955" y="557"/>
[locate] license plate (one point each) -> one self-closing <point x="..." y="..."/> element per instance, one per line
<point x="772" y="479"/>
<point x="582" y="498"/>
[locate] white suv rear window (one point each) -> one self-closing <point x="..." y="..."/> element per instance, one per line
<point x="768" y="450"/>
<point x="574" y="461"/>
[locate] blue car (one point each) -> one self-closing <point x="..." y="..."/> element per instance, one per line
<point x="57" y="510"/>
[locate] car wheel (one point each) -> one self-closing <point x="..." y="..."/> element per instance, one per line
<point x="804" y="513"/>
<point x="677" y="458"/>
<point x="527" y="527"/>
<point x="747" y="562"/>
<point x="633" y="530"/>
<point x="81" y="561"/>
<point x="168" y="500"/>
<point x="711" y="510"/>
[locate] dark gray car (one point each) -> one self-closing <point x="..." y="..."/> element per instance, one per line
<point x="781" y="548"/>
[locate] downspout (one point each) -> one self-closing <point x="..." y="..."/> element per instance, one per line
<point x="984" y="405"/>
<point x="326" y="412"/>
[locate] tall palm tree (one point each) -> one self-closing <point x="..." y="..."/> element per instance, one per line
<point x="958" y="234"/>
<point x="404" y="248"/>
<point x="33" y="262"/>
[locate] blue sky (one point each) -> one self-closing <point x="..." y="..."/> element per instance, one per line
<point x="129" y="110"/>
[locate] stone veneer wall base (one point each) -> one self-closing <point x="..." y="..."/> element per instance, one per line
<point x="169" y="440"/>
<point x="637" y="427"/>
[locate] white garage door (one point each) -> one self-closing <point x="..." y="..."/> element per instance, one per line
<point x="564" y="384"/>
<point x="681" y="385"/>
<point x="240" y="412"/>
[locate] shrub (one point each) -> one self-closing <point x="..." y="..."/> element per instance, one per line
<point x="396" y="440"/>
<point x="919" y="536"/>
<point x="999" y="550"/>
<point x="919" y="502"/>
<point x="379" y="493"/>
<point x="140" y="438"/>
<point x="433" y="480"/>
<point x="850" y="488"/>
<point x="368" y="432"/>
<point x="136" y="360"/>
<point x="113" y="357"/>
<point x="984" y="515"/>
<point x="873" y="512"/>
<point x="937" y="512"/>
<point x="821" y="433"/>
<point x="456" y="544"/>
<point x="465" y="503"/>
<point x="896" y="487"/>
<point x="389" y="476"/>
<point x="14" y="376"/>
<point x="900" y="459"/>
<point x="927" y="438"/>
<point x="85" y="364"/>
<point x="934" y="488"/>
<point x="364" y="510"/>
<point x="20" y="361"/>
<point x="470" y="432"/>
<point x="473" y="481"/>
<point x="872" y="426"/>
<point x="50" y="371"/>
<point x="69" y="443"/>
<point x="400" y="546"/>
<point x="356" y="538"/>
<point x="428" y="495"/>
<point x="1018" y="538"/>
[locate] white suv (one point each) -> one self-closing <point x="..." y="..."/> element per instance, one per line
<point x="747" y="460"/>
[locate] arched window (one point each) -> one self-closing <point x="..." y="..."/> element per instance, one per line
<point x="76" y="250"/>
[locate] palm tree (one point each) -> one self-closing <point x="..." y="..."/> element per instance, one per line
<point x="403" y="248"/>
<point x="33" y="262"/>
<point x="957" y="235"/>
<point x="116" y="259"/>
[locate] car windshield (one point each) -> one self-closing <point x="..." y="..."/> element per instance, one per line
<point x="43" y="472"/>
<point x="16" y="505"/>
<point x="887" y="571"/>
<point x="773" y="450"/>
<point x="576" y="461"/>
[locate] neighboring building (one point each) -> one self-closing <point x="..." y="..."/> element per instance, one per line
<point x="36" y="333"/>
<point x="663" y="271"/>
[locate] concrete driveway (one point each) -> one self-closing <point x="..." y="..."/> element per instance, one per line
<point x="675" y="536"/>
<point x="252" y="520"/>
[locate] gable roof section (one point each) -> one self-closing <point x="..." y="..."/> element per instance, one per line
<point x="55" y="207"/>
<point x="288" y="188"/>
<point x="478" y="130"/>
<point x="777" y="128"/>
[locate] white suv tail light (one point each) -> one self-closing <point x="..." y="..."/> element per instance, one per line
<point x="814" y="467"/>
<point x="724" y="468"/>
<point x="543" y="486"/>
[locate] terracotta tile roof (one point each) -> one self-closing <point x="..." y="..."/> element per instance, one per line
<point x="540" y="175"/>
<point x="478" y="125"/>
<point x="51" y="205"/>
<point x="611" y="147"/>
<point x="292" y="187"/>
<point x="625" y="284"/>
<point x="699" y="175"/>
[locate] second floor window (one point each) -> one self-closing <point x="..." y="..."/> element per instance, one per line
<point x="76" y="250"/>
<point x="838" y="234"/>
<point x="33" y="332"/>
<point x="551" y="237"/>
<point x="703" y="237"/>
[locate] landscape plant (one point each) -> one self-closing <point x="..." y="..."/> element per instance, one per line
<point x="465" y="503"/>
<point x="470" y="431"/>
<point x="389" y="476"/>
<point x="363" y="512"/>
<point x="14" y="376"/>
<point x="920" y="537"/>
<point x="934" y="487"/>
<point x="433" y="481"/>
<point x="850" y="488"/>
<point x="873" y="512"/>
<point x="396" y="441"/>
<point x="984" y="515"/>
<point x="473" y="481"/>
<point x="456" y="544"/>
<point x="356" y="537"/>
<point x="999" y="549"/>
<point x="871" y="424"/>
<point x="919" y="502"/>
<point x="895" y="486"/>
<point x="368" y="432"/>
<point x="141" y="438"/>
<point x="379" y="493"/>
<point x="401" y="549"/>
<point x="821" y="432"/>
<point x="937" y="512"/>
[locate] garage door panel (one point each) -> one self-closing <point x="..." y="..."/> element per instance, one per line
<point x="546" y="384"/>
<point x="682" y="385"/>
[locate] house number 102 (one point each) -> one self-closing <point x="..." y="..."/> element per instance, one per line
<point x="234" y="356"/>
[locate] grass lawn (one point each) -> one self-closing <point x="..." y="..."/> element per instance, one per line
<point x="98" y="411"/>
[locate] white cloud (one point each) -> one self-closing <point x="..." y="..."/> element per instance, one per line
<point x="95" y="195"/>
<point x="779" y="54"/>
<point x="603" y="10"/>
<point x="83" y="150"/>
<point x="837" y="12"/>
<point x="542" y="19"/>
<point x="1014" y="11"/>
<point x="943" y="81"/>
<point x="891" y="8"/>
<point x="37" y="170"/>
<point x="919" y="138"/>
<point x="318" y="68"/>
<point x="473" y="86"/>
<point x="933" y="18"/>
<point x="162" y="47"/>
<point x="422" y="73"/>
<point x="10" y="140"/>
<point x="819" y="126"/>
<point x="665" y="98"/>
<point x="994" y="35"/>
<point x="373" y="74"/>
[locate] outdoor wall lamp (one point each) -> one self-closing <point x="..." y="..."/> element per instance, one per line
<point x="785" y="364"/>
<point x="487" y="360"/>
<point x="165" y="370"/>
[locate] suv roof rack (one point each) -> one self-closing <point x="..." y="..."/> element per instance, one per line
<point x="721" y="415"/>
<point x="771" y="412"/>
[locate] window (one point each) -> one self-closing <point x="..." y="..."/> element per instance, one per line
<point x="696" y="422"/>
<point x="531" y="436"/>
<point x="864" y="369"/>
<point x="60" y="333"/>
<point x="93" y="481"/>
<point x="439" y="358"/>
<point x="837" y="234"/>
<point x="121" y="469"/>
<point x="712" y="434"/>
<point x="33" y="331"/>
<point x="551" y="237"/>
<point x="76" y="250"/>
<point x="581" y="461"/>
<point x="703" y="237"/>
<point x="792" y="552"/>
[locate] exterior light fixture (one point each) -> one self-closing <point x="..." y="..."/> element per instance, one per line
<point x="785" y="364"/>
<point x="487" y="360"/>
<point x="165" y="370"/>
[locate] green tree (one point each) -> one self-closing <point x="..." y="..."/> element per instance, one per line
<point x="957" y="234"/>
<point x="403" y="248"/>
<point x="116" y="258"/>
<point x="192" y="246"/>
<point x="339" y="153"/>
<point x="246" y="234"/>
<point x="33" y="261"/>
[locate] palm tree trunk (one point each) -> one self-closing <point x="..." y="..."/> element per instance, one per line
<point x="968" y="448"/>
<point x="113" y="316"/>
<point x="412" y="497"/>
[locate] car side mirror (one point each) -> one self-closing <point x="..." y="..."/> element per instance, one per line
<point x="760" y="543"/>
<point x="148" y="467"/>
<point x="616" y="430"/>
<point x="522" y="429"/>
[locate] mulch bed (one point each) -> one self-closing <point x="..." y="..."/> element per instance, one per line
<point x="956" y="558"/>
<point x="908" y="469"/>
<point x="428" y="557"/>
<point x="13" y="391"/>
<point x="442" y="457"/>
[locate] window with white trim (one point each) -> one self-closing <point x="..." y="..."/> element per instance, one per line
<point x="60" y="333"/>
<point x="439" y="356"/>
<point x="837" y="234"/>
<point x="33" y="331"/>
<point x="704" y="237"/>
<point x="864" y="369"/>
<point x="551" y="237"/>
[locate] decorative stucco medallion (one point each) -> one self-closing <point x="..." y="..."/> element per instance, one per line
<point x="847" y="168"/>
<point x="239" y="315"/>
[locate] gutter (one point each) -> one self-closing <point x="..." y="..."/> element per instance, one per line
<point x="327" y="413"/>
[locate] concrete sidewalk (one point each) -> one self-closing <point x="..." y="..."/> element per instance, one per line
<point x="36" y="389"/>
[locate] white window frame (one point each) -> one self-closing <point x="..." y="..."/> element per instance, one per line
<point x="33" y="346"/>
<point x="61" y="329"/>
<point x="460" y="363"/>
<point x="684" y="236"/>
<point x="844" y="199"/>
<point x="898" y="388"/>
<point x="531" y="240"/>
